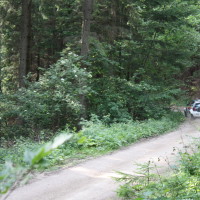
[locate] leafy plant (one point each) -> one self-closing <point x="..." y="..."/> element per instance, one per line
<point x="12" y="175"/>
<point x="183" y="183"/>
<point x="50" y="104"/>
<point x="96" y="138"/>
<point x="120" y="134"/>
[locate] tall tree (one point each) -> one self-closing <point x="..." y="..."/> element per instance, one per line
<point x="25" y="41"/>
<point x="87" y="11"/>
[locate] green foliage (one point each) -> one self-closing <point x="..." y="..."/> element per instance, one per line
<point x="50" y="103"/>
<point x="121" y="134"/>
<point x="137" y="50"/>
<point x="9" y="38"/>
<point x="94" y="139"/>
<point x="182" y="184"/>
<point x="165" y="40"/>
<point x="33" y="158"/>
<point x="54" y="100"/>
<point x="53" y="25"/>
<point x="15" y="174"/>
<point x="123" y="100"/>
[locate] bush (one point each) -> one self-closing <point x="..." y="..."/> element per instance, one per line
<point x="95" y="138"/>
<point x="96" y="133"/>
<point x="123" y="100"/>
<point x="51" y="103"/>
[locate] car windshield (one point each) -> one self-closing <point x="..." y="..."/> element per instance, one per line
<point x="197" y="105"/>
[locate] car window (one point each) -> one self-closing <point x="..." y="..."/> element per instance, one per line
<point x="196" y="104"/>
<point x="193" y="103"/>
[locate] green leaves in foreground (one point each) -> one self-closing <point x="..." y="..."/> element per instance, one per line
<point x="34" y="157"/>
<point x="12" y="174"/>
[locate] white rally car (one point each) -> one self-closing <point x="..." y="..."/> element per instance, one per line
<point x="195" y="109"/>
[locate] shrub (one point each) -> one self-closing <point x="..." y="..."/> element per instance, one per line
<point x="51" y="103"/>
<point x="116" y="135"/>
<point x="123" y="100"/>
<point x="95" y="138"/>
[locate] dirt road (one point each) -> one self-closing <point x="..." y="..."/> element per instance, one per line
<point x="92" y="180"/>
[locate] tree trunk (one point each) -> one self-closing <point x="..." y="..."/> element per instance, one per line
<point x="0" y="87"/>
<point x="25" y="41"/>
<point x="87" y="11"/>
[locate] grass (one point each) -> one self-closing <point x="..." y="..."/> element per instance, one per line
<point x="93" y="140"/>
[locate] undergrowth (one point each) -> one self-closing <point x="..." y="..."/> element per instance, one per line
<point x="96" y="138"/>
<point x="183" y="183"/>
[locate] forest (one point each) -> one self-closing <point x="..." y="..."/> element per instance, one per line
<point x="64" y="61"/>
<point x="89" y="67"/>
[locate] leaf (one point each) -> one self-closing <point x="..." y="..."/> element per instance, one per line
<point x="34" y="157"/>
<point x="147" y="193"/>
<point x="2" y="176"/>
<point x="4" y="190"/>
<point x="82" y="140"/>
<point x="59" y="140"/>
<point x="44" y="16"/>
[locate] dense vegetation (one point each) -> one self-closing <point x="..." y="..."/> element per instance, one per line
<point x="182" y="183"/>
<point x="94" y="139"/>
<point x="129" y="65"/>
